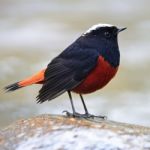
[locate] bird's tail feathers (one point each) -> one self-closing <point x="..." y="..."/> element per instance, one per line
<point x="35" y="79"/>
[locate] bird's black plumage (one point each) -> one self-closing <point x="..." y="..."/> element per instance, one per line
<point x="12" y="87"/>
<point x="73" y="65"/>
<point x="87" y="65"/>
<point x="67" y="71"/>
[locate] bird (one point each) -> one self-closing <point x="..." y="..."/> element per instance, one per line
<point x="85" y="66"/>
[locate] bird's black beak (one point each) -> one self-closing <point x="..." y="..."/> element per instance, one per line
<point x="121" y="29"/>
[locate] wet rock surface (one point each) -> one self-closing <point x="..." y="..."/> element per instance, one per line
<point x="53" y="132"/>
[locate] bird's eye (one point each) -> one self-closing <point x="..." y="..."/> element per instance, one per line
<point x="107" y="34"/>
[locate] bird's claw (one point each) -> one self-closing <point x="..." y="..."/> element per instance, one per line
<point x="68" y="113"/>
<point x="74" y="115"/>
<point x="101" y="117"/>
<point x="86" y="115"/>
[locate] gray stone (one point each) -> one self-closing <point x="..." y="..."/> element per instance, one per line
<point x="50" y="132"/>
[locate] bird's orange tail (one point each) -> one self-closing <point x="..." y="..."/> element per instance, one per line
<point x="35" y="79"/>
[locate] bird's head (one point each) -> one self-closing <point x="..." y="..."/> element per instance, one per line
<point x="103" y="39"/>
<point x="103" y="30"/>
<point x="102" y="34"/>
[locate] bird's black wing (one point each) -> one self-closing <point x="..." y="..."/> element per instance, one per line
<point x="67" y="71"/>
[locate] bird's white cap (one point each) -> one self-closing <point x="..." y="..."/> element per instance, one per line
<point x="94" y="27"/>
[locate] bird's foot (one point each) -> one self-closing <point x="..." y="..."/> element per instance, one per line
<point x="74" y="115"/>
<point x="86" y="115"/>
<point x="101" y="117"/>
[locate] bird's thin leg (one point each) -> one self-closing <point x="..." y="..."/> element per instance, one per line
<point x="87" y="114"/>
<point x="71" y="101"/>
<point x="78" y="115"/>
<point x="74" y="114"/>
<point x="85" y="108"/>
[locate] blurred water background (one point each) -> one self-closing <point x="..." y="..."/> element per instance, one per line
<point x="32" y="32"/>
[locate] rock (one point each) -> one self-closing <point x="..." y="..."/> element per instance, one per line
<point x="51" y="132"/>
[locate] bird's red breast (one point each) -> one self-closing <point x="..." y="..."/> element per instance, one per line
<point x="98" y="77"/>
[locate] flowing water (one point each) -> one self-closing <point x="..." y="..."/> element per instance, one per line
<point x="32" y="32"/>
